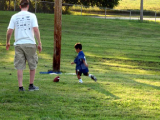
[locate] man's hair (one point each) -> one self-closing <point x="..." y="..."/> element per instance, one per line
<point x="78" y="46"/>
<point x="24" y="3"/>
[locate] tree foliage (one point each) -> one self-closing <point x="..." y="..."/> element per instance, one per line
<point x="48" y="6"/>
<point x="70" y="1"/>
<point x="98" y="3"/>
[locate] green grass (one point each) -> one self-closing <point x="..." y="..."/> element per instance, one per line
<point x="122" y="54"/>
<point x="149" y="5"/>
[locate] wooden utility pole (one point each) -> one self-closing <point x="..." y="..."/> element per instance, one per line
<point x="57" y="35"/>
<point x="141" y="11"/>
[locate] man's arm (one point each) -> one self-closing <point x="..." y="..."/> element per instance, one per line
<point x="37" y="35"/>
<point x="8" y="37"/>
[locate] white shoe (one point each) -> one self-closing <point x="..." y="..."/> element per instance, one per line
<point x="80" y="81"/>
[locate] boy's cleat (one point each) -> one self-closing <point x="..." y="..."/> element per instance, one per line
<point x="93" y="78"/>
<point x="33" y="88"/>
<point x="80" y="81"/>
<point x="21" y="89"/>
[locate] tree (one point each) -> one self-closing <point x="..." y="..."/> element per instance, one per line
<point x="2" y="4"/>
<point x="70" y="1"/>
<point x="98" y="3"/>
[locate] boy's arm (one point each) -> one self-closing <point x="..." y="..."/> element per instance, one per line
<point x="75" y="61"/>
<point x="72" y="62"/>
<point x="85" y="63"/>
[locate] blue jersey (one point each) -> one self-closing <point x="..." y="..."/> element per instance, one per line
<point x="80" y="66"/>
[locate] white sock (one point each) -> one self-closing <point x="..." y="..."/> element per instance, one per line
<point x="80" y="80"/>
<point x="90" y="75"/>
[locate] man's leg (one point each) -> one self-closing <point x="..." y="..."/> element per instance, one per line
<point x="32" y="59"/>
<point x="32" y="76"/>
<point x="19" y="63"/>
<point x="20" y="77"/>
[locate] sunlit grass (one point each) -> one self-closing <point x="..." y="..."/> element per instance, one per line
<point x="128" y="17"/>
<point x="126" y="5"/>
<point x="149" y="82"/>
<point x="150" y="5"/>
<point x="9" y="57"/>
<point x="45" y="56"/>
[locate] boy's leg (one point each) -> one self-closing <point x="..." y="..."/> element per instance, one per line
<point x="79" y="76"/>
<point x="86" y="74"/>
<point x="91" y="76"/>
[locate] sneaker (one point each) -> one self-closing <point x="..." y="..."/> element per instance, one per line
<point x="21" y="89"/>
<point x="80" y="81"/>
<point x="33" y="88"/>
<point x="93" y="78"/>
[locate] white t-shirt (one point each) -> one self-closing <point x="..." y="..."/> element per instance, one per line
<point x="23" y="23"/>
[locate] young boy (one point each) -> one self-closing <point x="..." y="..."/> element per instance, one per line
<point x="81" y="64"/>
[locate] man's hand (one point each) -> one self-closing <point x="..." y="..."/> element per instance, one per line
<point x="40" y="48"/>
<point x="72" y="63"/>
<point x="7" y="46"/>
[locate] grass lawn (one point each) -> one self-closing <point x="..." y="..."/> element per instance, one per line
<point x="124" y="55"/>
<point x="149" y="5"/>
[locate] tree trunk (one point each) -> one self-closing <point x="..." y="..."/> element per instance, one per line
<point x="2" y="5"/>
<point x="9" y="4"/>
<point x="44" y="7"/>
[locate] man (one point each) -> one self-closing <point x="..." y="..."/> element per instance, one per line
<point x="25" y="27"/>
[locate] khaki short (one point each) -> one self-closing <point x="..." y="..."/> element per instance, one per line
<point x="23" y="53"/>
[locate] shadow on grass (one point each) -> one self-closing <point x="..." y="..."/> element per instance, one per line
<point x="146" y="85"/>
<point x="139" y="81"/>
<point x="100" y="89"/>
